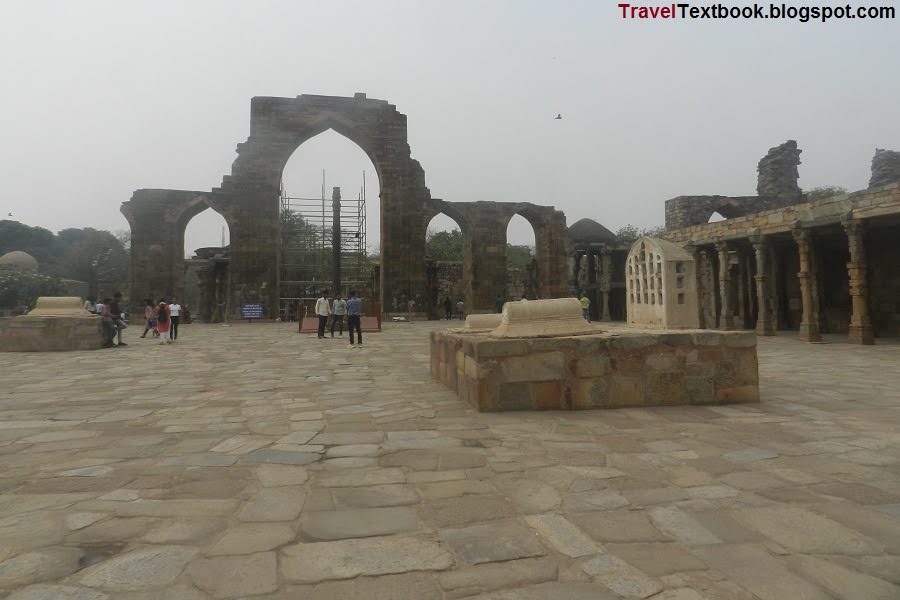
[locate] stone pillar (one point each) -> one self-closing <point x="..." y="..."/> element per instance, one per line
<point x="860" y="323"/>
<point x="809" y="323"/>
<point x="336" y="240"/>
<point x="765" y="323"/>
<point x="726" y="320"/>
<point x="605" y="282"/>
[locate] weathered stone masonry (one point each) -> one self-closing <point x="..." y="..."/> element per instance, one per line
<point x="248" y="200"/>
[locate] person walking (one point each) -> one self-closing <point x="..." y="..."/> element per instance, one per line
<point x="354" y="315"/>
<point x="149" y="317"/>
<point x="323" y="310"/>
<point x="585" y="307"/>
<point x="175" y="313"/>
<point x="448" y="308"/>
<point x="339" y="309"/>
<point x="498" y="304"/>
<point x="460" y="310"/>
<point x="163" y="322"/>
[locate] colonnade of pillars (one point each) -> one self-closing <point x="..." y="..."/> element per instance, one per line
<point x="593" y="273"/>
<point x="860" y="326"/>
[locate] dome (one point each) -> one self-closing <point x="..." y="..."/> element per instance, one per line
<point x="19" y="260"/>
<point x="589" y="231"/>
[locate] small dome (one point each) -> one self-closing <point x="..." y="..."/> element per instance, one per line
<point x="19" y="260"/>
<point x="589" y="231"/>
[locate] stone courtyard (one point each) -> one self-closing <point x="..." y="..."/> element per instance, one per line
<point x="249" y="461"/>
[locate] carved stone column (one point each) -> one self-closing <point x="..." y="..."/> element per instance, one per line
<point x="605" y="282"/>
<point x="726" y="320"/>
<point x="860" y="323"/>
<point x="809" y="322"/>
<point x="765" y="322"/>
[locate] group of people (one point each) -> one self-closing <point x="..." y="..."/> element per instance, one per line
<point x="112" y="317"/>
<point x="336" y="310"/>
<point x="448" y="309"/>
<point x="162" y="319"/>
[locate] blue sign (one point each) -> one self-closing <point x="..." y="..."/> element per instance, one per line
<point x="251" y="311"/>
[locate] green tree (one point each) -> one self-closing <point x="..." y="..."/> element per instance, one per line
<point x="518" y="256"/>
<point x="93" y="256"/>
<point x="444" y="245"/>
<point x="36" y="241"/>
<point x="825" y="191"/>
<point x="629" y="233"/>
<point x="23" y="288"/>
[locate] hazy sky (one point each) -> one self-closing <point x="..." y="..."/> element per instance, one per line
<point x="102" y="98"/>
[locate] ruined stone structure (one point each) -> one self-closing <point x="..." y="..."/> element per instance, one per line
<point x="827" y="266"/>
<point x="885" y="168"/>
<point x="248" y="200"/>
<point x="776" y="185"/>
<point x="544" y="356"/>
<point x="56" y="324"/>
<point x="597" y="268"/>
<point x="662" y="285"/>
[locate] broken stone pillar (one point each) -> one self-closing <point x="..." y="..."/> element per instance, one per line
<point x="777" y="174"/>
<point x="543" y="318"/>
<point x="765" y="323"/>
<point x="860" y="331"/>
<point x="885" y="167"/>
<point x="809" y="323"/>
<point x="605" y="282"/>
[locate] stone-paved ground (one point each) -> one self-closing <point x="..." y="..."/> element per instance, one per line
<point x="252" y="462"/>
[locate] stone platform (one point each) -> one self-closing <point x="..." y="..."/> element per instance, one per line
<point x="625" y="367"/>
<point x="56" y="324"/>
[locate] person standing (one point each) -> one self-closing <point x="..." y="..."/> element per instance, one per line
<point x="323" y="310"/>
<point x="460" y="310"/>
<point x="89" y="305"/>
<point x="175" y="313"/>
<point x="448" y="308"/>
<point x="118" y="320"/>
<point x="498" y="304"/>
<point x="163" y="321"/>
<point x="109" y="329"/>
<point x="149" y="322"/>
<point x="585" y="307"/>
<point x="339" y="308"/>
<point x="354" y="315"/>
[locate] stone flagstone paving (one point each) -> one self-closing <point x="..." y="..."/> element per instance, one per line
<point x="252" y="462"/>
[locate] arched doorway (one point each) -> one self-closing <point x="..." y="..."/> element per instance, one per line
<point x="521" y="264"/>
<point x="329" y="223"/>
<point x="445" y="267"/>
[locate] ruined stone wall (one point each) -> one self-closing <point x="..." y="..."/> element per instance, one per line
<point x="863" y="205"/>
<point x="885" y="168"/>
<point x="777" y="174"/>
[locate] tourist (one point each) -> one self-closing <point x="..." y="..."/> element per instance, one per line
<point x="118" y="318"/>
<point x="175" y="313"/>
<point x="448" y="307"/>
<point x="323" y="311"/>
<point x="149" y="318"/>
<point x="460" y="310"/>
<point x="89" y="304"/>
<point x="354" y="316"/>
<point x="498" y="303"/>
<point x="109" y="329"/>
<point x="339" y="308"/>
<point x="163" y="322"/>
<point x="585" y="307"/>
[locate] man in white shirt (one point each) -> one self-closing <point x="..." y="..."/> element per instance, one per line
<point x="323" y="310"/>
<point x="175" y="313"/>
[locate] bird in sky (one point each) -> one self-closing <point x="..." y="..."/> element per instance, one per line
<point x="558" y="116"/>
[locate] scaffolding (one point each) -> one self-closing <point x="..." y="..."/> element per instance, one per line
<point x="323" y="246"/>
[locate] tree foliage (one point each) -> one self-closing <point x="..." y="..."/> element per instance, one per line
<point x="23" y="288"/>
<point x="825" y="191"/>
<point x="448" y="246"/>
<point x="96" y="257"/>
<point x="629" y="233"/>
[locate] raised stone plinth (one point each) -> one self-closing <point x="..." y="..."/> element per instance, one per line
<point x="628" y="368"/>
<point x="483" y="322"/>
<point x="56" y="324"/>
